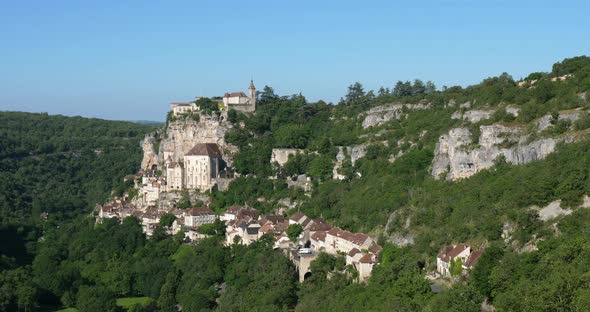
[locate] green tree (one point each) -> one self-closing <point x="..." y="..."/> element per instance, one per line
<point x="293" y="231"/>
<point x="167" y="219"/>
<point x="456" y="267"/>
<point x="95" y="299"/>
<point x="185" y="201"/>
<point x="167" y="300"/>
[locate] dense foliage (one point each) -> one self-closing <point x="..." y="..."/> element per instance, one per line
<point x="63" y="166"/>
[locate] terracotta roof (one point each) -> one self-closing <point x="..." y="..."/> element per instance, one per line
<point x="319" y="225"/>
<point x="235" y="94"/>
<point x="266" y="228"/>
<point x="356" y="238"/>
<point x="369" y="258"/>
<point x="473" y="258"/>
<point x="274" y="219"/>
<point x="205" y="149"/>
<point x="375" y="248"/>
<point x="319" y="236"/>
<point x="200" y="211"/>
<point x="297" y="216"/>
<point x="450" y="252"/>
<point x="233" y="210"/>
<point x="353" y="252"/>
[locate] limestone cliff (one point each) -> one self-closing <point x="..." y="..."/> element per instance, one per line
<point x="381" y="114"/>
<point x="474" y="116"/>
<point x="457" y="158"/>
<point x="149" y="154"/>
<point x="182" y="135"/>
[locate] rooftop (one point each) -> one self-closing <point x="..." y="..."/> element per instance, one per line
<point x="205" y="149"/>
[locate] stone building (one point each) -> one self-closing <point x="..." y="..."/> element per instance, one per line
<point x="199" y="169"/>
<point x="240" y="101"/>
<point x="196" y="217"/>
<point x="180" y="108"/>
<point x="468" y="256"/>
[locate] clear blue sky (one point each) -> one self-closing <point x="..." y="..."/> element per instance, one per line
<point x="129" y="59"/>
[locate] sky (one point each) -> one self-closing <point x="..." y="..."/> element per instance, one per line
<point x="127" y="60"/>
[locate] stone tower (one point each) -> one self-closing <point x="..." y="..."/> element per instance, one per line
<point x="252" y="94"/>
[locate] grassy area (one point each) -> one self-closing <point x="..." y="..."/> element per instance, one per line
<point x="68" y="310"/>
<point x="129" y="302"/>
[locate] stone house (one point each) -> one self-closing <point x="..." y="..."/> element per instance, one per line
<point x="196" y="217"/>
<point x="149" y="191"/>
<point x="181" y="108"/>
<point x="365" y="266"/>
<point x="236" y="212"/>
<point x="198" y="170"/>
<point x="318" y="241"/>
<point x="246" y="228"/>
<point x="450" y="253"/>
<point x="338" y="240"/>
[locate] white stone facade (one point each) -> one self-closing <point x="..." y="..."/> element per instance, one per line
<point x="240" y="101"/>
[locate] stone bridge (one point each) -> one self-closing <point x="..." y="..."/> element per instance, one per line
<point x="302" y="259"/>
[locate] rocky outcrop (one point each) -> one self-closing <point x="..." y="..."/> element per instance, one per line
<point x="473" y="116"/>
<point x="182" y="135"/>
<point x="381" y="114"/>
<point x="553" y="210"/>
<point x="546" y="121"/>
<point x="150" y="158"/>
<point x="281" y="155"/>
<point x="512" y="110"/>
<point x="456" y="157"/>
<point x="354" y="153"/>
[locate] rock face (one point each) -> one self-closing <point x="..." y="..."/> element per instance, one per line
<point x="455" y="158"/>
<point x="149" y="156"/>
<point x="381" y="114"/>
<point x="355" y="152"/>
<point x="514" y="111"/>
<point x="182" y="135"/>
<point x="474" y="116"/>
<point x="281" y="155"/>
<point x="553" y="210"/>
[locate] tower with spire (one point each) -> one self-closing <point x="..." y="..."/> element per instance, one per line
<point x="240" y="101"/>
<point x="252" y="94"/>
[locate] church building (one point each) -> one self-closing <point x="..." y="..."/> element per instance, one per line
<point x="240" y="101"/>
<point x="199" y="169"/>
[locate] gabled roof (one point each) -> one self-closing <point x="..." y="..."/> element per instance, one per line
<point x="297" y="216"/>
<point x="235" y="94"/>
<point x="369" y="258"/>
<point x="205" y="149"/>
<point x="450" y="252"/>
<point x="274" y="219"/>
<point x="319" y="225"/>
<point x="319" y="236"/>
<point x="356" y="238"/>
<point x="473" y="258"/>
<point x="374" y="248"/>
<point x="203" y="211"/>
<point x="353" y="252"/>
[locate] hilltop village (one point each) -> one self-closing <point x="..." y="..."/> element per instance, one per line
<point x="190" y="159"/>
<point x="194" y="159"/>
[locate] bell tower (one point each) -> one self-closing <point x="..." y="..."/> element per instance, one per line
<point x="252" y="94"/>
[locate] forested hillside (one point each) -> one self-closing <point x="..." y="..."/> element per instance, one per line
<point x="63" y="166"/>
<point x="56" y="168"/>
